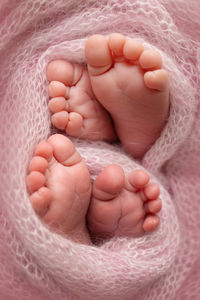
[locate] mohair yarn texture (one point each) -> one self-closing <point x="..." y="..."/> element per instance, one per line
<point x="36" y="264"/>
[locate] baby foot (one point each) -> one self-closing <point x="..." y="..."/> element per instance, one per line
<point x="73" y="104"/>
<point x="60" y="188"/>
<point x="123" y="206"/>
<point x="130" y="83"/>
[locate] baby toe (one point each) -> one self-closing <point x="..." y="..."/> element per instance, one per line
<point x="157" y="80"/>
<point x="57" y="104"/>
<point x="109" y="183"/>
<point x="98" y="55"/>
<point x="116" y="43"/>
<point x="138" y="179"/>
<point x="60" y="119"/>
<point x="44" y="149"/>
<point x="60" y="70"/>
<point x="105" y="211"/>
<point x="40" y="201"/>
<point x="150" y="59"/>
<point x="64" y="150"/>
<point x="56" y="89"/>
<point x="151" y="222"/>
<point x="37" y="167"/>
<point x="35" y="180"/>
<point x="153" y="207"/>
<point x="75" y="123"/>
<point x="151" y="191"/>
<point x="39" y="164"/>
<point x="132" y="50"/>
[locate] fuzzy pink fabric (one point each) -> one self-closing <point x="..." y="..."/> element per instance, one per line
<point x="36" y="264"/>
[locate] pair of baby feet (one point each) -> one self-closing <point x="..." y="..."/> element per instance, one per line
<point x="122" y="81"/>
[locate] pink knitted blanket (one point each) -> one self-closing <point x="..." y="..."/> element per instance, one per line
<point x="36" y="264"/>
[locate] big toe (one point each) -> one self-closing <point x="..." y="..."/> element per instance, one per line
<point x="64" y="150"/>
<point x="60" y="70"/>
<point x="109" y="183"/>
<point x="98" y="54"/>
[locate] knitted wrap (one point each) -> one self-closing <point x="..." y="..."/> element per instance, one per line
<point x="36" y="264"/>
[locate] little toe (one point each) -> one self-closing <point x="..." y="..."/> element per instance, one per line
<point x="60" y="119"/>
<point x="157" y="80"/>
<point x="39" y="164"/>
<point x="153" y="207"/>
<point x="138" y="179"/>
<point x="64" y="150"/>
<point x="35" y="180"/>
<point x="56" y="89"/>
<point x="98" y="55"/>
<point x="116" y="42"/>
<point x="57" y="104"/>
<point x="151" y="222"/>
<point x="150" y="59"/>
<point x="109" y="183"/>
<point x="41" y="200"/>
<point x="132" y="50"/>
